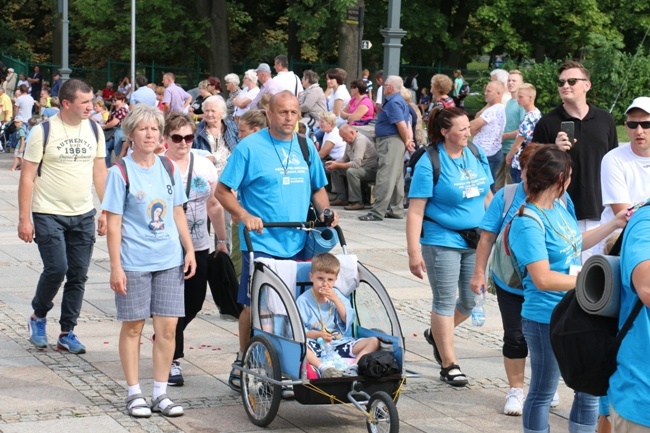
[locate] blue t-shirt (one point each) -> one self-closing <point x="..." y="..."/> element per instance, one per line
<point x="629" y="386"/>
<point x="393" y="111"/>
<point x="447" y="203"/>
<point x="144" y="95"/>
<point x="514" y="116"/>
<point x="495" y="220"/>
<point x="150" y="240"/>
<point x="274" y="182"/>
<point x="560" y="243"/>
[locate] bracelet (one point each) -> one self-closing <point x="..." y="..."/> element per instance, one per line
<point x="222" y="241"/>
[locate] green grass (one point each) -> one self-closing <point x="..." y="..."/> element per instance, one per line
<point x="477" y="66"/>
<point x="621" y="132"/>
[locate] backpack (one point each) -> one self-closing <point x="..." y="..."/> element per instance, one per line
<point x="502" y="261"/>
<point x="434" y="156"/>
<point x="585" y="345"/>
<point x="46" y="138"/>
<point x="312" y="214"/>
<point x="166" y="162"/>
<point x="378" y="364"/>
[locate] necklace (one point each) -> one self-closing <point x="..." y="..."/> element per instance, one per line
<point x="462" y="168"/>
<point x="566" y="227"/>
<point x="285" y="167"/>
<point x="320" y="316"/>
<point x="65" y="130"/>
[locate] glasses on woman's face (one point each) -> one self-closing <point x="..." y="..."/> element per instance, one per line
<point x="178" y="139"/>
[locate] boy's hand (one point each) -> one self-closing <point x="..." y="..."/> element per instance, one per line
<point x="327" y="337"/>
<point x="328" y="292"/>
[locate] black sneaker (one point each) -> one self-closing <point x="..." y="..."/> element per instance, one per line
<point x="175" y="375"/>
<point x="431" y="341"/>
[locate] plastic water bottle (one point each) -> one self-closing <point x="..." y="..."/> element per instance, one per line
<point x="329" y="357"/>
<point x="478" y="312"/>
<point x="407" y="186"/>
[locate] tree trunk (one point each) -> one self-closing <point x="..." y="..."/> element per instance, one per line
<point x="349" y="49"/>
<point x="219" y="58"/>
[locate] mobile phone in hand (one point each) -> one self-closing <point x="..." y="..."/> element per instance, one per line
<point x="569" y="129"/>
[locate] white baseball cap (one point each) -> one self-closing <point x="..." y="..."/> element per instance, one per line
<point x="642" y="103"/>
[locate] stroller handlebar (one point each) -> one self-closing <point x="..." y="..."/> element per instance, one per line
<point x="296" y="225"/>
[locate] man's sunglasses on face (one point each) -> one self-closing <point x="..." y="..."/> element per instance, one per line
<point x="572" y="81"/>
<point x="633" y="125"/>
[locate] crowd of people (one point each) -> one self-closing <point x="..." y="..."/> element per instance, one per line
<point x="180" y="167"/>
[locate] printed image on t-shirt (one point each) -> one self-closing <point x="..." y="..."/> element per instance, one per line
<point x="157" y="211"/>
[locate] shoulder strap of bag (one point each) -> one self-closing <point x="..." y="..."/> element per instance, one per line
<point x="304" y="148"/>
<point x="509" y="192"/>
<point x="46" y="138"/>
<point x="189" y="181"/>
<point x="628" y="323"/>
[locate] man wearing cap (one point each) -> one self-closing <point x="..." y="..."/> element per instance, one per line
<point x="268" y="84"/>
<point x="625" y="171"/>
<point x="595" y="135"/>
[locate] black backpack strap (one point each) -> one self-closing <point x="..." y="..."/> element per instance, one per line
<point x="46" y="138"/>
<point x="434" y="156"/>
<point x="628" y="323"/>
<point x="189" y="182"/>
<point x="121" y="164"/>
<point x="95" y="129"/>
<point x="304" y="148"/>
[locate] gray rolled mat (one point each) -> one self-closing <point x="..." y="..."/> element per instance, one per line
<point x="598" y="288"/>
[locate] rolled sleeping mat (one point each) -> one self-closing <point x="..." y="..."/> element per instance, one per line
<point x="320" y="240"/>
<point x="598" y="289"/>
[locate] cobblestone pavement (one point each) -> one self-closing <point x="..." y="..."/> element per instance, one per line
<point x="56" y="391"/>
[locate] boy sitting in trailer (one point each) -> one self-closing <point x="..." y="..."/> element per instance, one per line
<point x="326" y="313"/>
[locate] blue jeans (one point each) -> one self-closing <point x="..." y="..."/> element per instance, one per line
<point x="494" y="161"/>
<point x="448" y="270"/>
<point x="66" y="246"/>
<point x="114" y="143"/>
<point x="515" y="174"/>
<point x="544" y="377"/>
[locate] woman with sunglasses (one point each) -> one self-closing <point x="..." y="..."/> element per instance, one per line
<point x="548" y="250"/>
<point x="151" y="253"/>
<point x="199" y="181"/>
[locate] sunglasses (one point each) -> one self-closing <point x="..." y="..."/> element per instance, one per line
<point x="177" y="138"/>
<point x="572" y="81"/>
<point x="633" y="125"/>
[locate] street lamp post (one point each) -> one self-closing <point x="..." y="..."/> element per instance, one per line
<point x="65" y="70"/>
<point x="392" y="39"/>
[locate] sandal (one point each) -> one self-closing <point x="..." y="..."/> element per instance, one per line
<point x="234" y="380"/>
<point x="370" y="217"/>
<point x="169" y="409"/>
<point x="431" y="341"/>
<point x="453" y="376"/>
<point x="140" y="410"/>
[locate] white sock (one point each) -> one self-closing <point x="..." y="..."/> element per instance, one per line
<point x="160" y="388"/>
<point x="134" y="389"/>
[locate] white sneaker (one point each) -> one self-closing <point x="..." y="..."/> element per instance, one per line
<point x="514" y="402"/>
<point x="556" y="400"/>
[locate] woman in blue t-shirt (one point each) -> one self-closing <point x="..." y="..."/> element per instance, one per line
<point x="151" y="253"/>
<point x="438" y="210"/>
<point x="551" y="257"/>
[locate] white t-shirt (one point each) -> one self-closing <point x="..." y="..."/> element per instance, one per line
<point x="338" y="150"/>
<point x="204" y="176"/>
<point x="624" y="178"/>
<point x="248" y="94"/>
<point x="287" y="80"/>
<point x="25" y="104"/>
<point x="489" y="137"/>
<point x="340" y="93"/>
<point x="380" y="95"/>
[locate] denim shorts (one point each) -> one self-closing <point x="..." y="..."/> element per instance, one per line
<point x="449" y="271"/>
